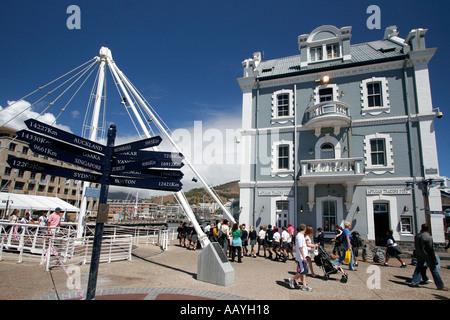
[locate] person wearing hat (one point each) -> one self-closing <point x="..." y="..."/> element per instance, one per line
<point x="54" y="220"/>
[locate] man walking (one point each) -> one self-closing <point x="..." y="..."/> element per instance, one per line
<point x="424" y="252"/>
<point x="54" y="221"/>
<point x="300" y="256"/>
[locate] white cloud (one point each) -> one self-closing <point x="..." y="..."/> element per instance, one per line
<point x="16" y="113"/>
<point x="210" y="145"/>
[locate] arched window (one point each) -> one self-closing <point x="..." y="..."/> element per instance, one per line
<point x="327" y="151"/>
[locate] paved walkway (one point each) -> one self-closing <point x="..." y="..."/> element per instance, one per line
<point x="171" y="275"/>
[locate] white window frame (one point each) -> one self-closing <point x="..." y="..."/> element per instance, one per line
<point x="275" y="171"/>
<point x="393" y="216"/>
<point x="333" y="86"/>
<point x="379" y="169"/>
<point x="313" y="49"/>
<point x="290" y="116"/>
<point x="375" y="110"/>
<point x="331" y="140"/>
<point x="274" y="212"/>
<point x="339" y="211"/>
<point x="410" y="218"/>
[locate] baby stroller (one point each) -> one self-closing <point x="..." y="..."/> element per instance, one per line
<point x="322" y="259"/>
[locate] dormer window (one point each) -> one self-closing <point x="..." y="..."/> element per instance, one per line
<point x="325" y="43"/>
<point x="333" y="51"/>
<point x="316" y="53"/>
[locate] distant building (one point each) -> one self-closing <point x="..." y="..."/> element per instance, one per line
<point x="26" y="182"/>
<point x="342" y="132"/>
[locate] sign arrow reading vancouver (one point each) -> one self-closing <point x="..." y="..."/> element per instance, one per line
<point x="130" y="165"/>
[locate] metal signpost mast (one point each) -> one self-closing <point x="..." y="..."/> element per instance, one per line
<point x="126" y="88"/>
<point x="104" y="52"/>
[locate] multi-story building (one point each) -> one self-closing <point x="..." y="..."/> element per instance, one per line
<point x="26" y="182"/>
<point x="342" y="132"/>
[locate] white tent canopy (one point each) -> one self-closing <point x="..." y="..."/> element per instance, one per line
<point x="35" y="203"/>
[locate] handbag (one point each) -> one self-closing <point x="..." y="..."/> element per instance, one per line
<point x="348" y="256"/>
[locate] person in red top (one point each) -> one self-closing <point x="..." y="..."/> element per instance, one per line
<point x="54" y="220"/>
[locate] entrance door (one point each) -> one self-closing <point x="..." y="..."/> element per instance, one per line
<point x="381" y="221"/>
<point x="282" y="213"/>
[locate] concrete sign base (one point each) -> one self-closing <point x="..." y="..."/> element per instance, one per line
<point x="214" y="267"/>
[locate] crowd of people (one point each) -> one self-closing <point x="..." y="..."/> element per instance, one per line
<point x="46" y="224"/>
<point x="281" y="244"/>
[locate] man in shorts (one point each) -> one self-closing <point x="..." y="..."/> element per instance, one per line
<point x="54" y="221"/>
<point x="300" y="256"/>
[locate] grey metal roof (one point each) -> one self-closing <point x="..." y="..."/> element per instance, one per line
<point x="360" y="53"/>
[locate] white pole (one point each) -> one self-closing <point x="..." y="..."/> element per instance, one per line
<point x="187" y="161"/>
<point x="180" y="195"/>
<point x="104" y="53"/>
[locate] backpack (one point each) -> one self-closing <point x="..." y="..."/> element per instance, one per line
<point x="356" y="239"/>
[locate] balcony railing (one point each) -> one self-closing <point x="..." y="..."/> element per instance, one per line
<point x="328" y="114"/>
<point x="348" y="166"/>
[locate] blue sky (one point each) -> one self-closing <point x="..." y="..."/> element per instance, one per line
<point x="185" y="56"/>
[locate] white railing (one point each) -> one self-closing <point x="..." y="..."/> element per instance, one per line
<point x="113" y="248"/>
<point x="327" y="108"/>
<point x="331" y="166"/>
<point x="57" y="249"/>
<point x="29" y="238"/>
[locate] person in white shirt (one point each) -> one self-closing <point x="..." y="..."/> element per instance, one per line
<point x="286" y="239"/>
<point x="261" y="237"/>
<point x="43" y="223"/>
<point x="301" y="258"/>
<point x="276" y="242"/>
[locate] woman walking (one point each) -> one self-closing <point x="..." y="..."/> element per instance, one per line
<point x="236" y="243"/>
<point x="393" y="250"/>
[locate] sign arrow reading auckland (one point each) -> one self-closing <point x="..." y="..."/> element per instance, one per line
<point x="65" y="136"/>
<point x="128" y="164"/>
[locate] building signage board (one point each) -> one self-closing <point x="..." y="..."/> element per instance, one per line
<point x="275" y="193"/>
<point x="399" y="191"/>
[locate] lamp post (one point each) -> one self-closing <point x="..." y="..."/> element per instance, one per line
<point x="425" y="185"/>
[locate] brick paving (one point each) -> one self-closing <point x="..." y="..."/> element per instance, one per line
<point x="170" y="275"/>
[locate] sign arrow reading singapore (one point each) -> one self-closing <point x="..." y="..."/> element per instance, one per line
<point x="54" y="149"/>
<point x="46" y="168"/>
<point x="56" y="133"/>
<point x="129" y="165"/>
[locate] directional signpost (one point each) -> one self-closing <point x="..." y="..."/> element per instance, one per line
<point x="125" y="165"/>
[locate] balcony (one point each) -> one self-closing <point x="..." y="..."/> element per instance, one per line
<point x="348" y="172"/>
<point x="327" y="114"/>
<point x="332" y="170"/>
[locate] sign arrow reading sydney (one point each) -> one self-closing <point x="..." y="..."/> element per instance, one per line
<point x="130" y="166"/>
<point x="56" y="133"/>
<point x="45" y="168"/>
